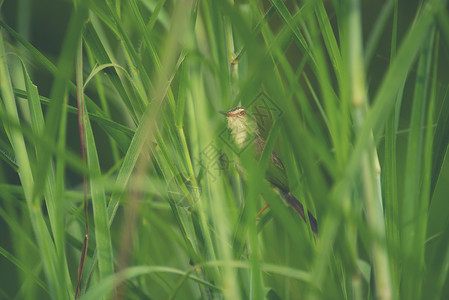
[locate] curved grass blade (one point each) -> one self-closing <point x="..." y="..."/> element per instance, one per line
<point x="104" y="287"/>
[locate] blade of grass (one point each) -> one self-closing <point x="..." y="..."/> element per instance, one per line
<point x="104" y="287"/>
<point x="329" y="39"/>
<point x="390" y="179"/>
<point x="101" y="220"/>
<point x="82" y="134"/>
<point x="412" y="206"/>
<point x="441" y="140"/>
<point x="426" y="194"/>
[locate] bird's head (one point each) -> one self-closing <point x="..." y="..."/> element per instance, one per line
<point x="236" y="112"/>
<point x="237" y="118"/>
<point x="240" y="124"/>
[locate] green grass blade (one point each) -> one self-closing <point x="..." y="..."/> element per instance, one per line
<point x="329" y="39"/>
<point x="431" y="281"/>
<point x="107" y="285"/>
<point x="413" y="226"/>
<point x="390" y="179"/>
<point x="101" y="220"/>
<point x="441" y="140"/>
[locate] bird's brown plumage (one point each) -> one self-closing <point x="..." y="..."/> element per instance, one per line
<point x="243" y="128"/>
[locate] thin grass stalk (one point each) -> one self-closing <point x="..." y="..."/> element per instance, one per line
<point x="82" y="135"/>
<point x="370" y="164"/>
<point x="57" y="193"/>
<point x="426" y="195"/>
<point x="196" y="117"/>
<point x="437" y="254"/>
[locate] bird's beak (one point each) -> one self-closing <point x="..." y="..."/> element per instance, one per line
<point x="225" y="113"/>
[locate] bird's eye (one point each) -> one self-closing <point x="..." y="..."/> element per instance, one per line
<point x="242" y="113"/>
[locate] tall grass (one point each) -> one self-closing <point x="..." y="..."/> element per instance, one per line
<point x="355" y="106"/>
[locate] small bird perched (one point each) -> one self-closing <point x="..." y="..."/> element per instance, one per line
<point x="243" y="128"/>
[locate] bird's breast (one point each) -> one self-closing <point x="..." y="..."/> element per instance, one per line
<point x="239" y="131"/>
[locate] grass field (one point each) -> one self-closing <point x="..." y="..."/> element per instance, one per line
<point x="118" y="178"/>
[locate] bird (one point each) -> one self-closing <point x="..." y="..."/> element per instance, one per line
<point x="244" y="128"/>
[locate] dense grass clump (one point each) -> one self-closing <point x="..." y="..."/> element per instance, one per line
<point x="118" y="177"/>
